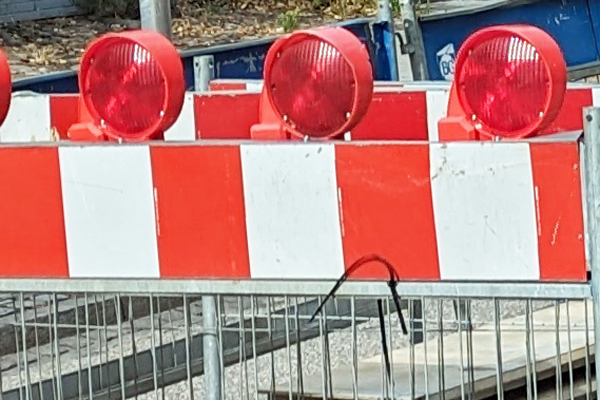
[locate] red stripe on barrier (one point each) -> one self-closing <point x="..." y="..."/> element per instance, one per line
<point x="570" y="116"/>
<point x="63" y="113"/>
<point x="227" y="85"/>
<point x="200" y="212"/>
<point x="32" y="238"/>
<point x="214" y="113"/>
<point x="394" y="116"/>
<point x="557" y="185"/>
<point x="386" y="208"/>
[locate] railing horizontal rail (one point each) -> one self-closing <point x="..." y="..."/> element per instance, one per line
<point x="535" y="290"/>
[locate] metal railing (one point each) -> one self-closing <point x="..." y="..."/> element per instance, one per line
<point x="528" y="340"/>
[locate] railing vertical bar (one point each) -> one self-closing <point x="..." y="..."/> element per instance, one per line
<point x="591" y="128"/>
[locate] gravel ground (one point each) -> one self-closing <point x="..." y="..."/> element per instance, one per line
<point x="239" y="379"/>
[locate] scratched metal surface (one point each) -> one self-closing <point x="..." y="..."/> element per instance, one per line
<point x="435" y="9"/>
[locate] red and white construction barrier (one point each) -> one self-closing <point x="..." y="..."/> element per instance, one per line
<point x="469" y="210"/>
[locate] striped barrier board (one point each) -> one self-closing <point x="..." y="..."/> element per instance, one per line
<point x="492" y="211"/>
<point x="397" y="112"/>
<point x="35" y="117"/>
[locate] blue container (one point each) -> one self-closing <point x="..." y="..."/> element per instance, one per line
<point x="571" y="23"/>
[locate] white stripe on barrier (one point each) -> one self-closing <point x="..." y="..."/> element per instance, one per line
<point x="28" y="119"/>
<point x="437" y="108"/>
<point x="184" y="129"/>
<point x="109" y="211"/>
<point x="484" y="210"/>
<point x="254" y="86"/>
<point x="595" y="96"/>
<point x="292" y="211"/>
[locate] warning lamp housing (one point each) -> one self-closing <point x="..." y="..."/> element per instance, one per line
<point x="132" y="85"/>
<point x="509" y="82"/>
<point x="318" y="82"/>
<point x="5" y="87"/>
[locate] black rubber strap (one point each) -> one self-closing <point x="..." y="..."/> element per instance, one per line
<point x="388" y="365"/>
<point x="392" y="283"/>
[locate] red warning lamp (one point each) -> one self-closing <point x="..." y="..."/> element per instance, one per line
<point x="5" y="87"/>
<point x="509" y="83"/>
<point x="318" y="83"/>
<point x="132" y="86"/>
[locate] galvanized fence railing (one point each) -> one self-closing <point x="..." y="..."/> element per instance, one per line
<point x="257" y="338"/>
<point x="480" y="341"/>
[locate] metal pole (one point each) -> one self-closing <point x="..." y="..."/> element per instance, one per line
<point x="211" y="348"/>
<point x="414" y="42"/>
<point x="156" y="16"/>
<point x="204" y="72"/>
<point x="384" y="14"/>
<point x="591" y="137"/>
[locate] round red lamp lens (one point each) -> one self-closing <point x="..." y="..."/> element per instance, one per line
<point x="511" y="80"/>
<point x="5" y="87"/>
<point x="319" y="82"/>
<point x="132" y="84"/>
